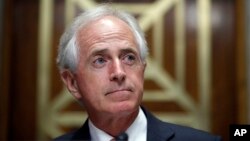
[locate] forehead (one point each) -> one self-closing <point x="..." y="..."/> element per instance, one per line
<point x="102" y="29"/>
<point x="105" y="22"/>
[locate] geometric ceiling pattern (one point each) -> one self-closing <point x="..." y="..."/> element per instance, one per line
<point x="168" y="88"/>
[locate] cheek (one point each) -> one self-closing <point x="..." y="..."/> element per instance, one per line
<point x="137" y="78"/>
<point x="92" y="92"/>
<point x="93" y="83"/>
<point x="90" y="82"/>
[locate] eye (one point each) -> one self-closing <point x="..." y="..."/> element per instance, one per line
<point x="99" y="62"/>
<point x="129" y="59"/>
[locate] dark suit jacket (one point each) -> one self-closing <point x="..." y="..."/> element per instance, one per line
<point x="157" y="131"/>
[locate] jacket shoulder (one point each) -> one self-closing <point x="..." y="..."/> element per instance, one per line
<point x="65" y="137"/>
<point x="164" y="130"/>
<point x="188" y="133"/>
<point x="80" y="134"/>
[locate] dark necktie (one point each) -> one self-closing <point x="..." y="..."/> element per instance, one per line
<point x="122" y="137"/>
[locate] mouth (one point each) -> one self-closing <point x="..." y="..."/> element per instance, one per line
<point x="119" y="91"/>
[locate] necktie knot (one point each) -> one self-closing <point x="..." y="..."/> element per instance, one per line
<point x="121" y="137"/>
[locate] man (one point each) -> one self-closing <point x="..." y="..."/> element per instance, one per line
<point x="102" y="59"/>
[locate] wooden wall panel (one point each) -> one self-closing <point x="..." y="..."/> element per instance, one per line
<point x="4" y="69"/>
<point x="20" y="59"/>
<point x="224" y="65"/>
<point x="20" y="82"/>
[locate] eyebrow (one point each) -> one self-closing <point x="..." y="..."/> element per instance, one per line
<point x="99" y="51"/>
<point x="128" y="50"/>
<point x="105" y="51"/>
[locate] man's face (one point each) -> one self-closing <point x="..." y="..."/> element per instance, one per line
<point x="110" y="72"/>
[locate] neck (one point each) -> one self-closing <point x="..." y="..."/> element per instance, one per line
<point x="114" y="125"/>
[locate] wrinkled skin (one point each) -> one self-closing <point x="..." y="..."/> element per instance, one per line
<point x="110" y="74"/>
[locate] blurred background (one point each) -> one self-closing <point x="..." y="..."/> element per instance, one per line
<point x="197" y="74"/>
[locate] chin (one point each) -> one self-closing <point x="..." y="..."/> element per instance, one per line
<point x="124" y="108"/>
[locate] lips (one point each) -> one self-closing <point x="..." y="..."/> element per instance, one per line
<point x="118" y="91"/>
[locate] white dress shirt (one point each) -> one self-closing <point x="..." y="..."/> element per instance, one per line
<point x="136" y="132"/>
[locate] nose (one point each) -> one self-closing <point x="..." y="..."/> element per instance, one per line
<point x="117" y="72"/>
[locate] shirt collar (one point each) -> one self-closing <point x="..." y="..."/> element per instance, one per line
<point x="136" y="131"/>
<point x="97" y="134"/>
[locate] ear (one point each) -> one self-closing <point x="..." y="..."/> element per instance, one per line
<point x="70" y="82"/>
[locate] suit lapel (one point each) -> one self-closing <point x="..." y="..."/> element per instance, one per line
<point x="83" y="133"/>
<point x="156" y="129"/>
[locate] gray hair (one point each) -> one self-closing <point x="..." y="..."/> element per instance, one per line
<point x="68" y="47"/>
